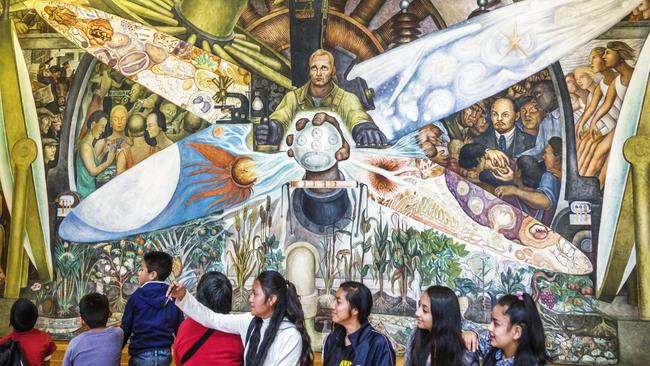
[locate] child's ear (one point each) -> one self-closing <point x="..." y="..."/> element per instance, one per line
<point x="273" y="299"/>
<point x="518" y="332"/>
<point x="153" y="274"/>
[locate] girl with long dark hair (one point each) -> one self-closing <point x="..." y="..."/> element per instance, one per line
<point x="354" y="341"/>
<point x="438" y="339"/>
<point x="273" y="332"/>
<point x="516" y="335"/>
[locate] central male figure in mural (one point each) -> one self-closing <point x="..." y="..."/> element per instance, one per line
<point x="321" y="92"/>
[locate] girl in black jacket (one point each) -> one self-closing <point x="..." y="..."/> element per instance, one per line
<point x="354" y="341"/>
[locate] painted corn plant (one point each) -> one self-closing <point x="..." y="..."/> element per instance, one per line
<point x="242" y="252"/>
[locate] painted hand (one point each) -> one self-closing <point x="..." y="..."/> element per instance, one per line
<point x="268" y="132"/>
<point x="177" y="291"/>
<point x="367" y="134"/>
<point x="471" y="340"/>
<point x="505" y="191"/>
<point x="319" y="118"/>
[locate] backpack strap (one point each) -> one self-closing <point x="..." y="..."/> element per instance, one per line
<point x="195" y="347"/>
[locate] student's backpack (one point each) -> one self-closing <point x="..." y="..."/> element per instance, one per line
<point x="11" y="354"/>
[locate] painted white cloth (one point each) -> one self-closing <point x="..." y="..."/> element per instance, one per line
<point x="285" y="350"/>
<point x="608" y="121"/>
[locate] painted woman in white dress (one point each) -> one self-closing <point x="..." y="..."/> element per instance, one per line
<point x="616" y="55"/>
<point x="596" y="100"/>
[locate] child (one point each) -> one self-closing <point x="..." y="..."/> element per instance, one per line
<point x="354" y="341"/>
<point x="148" y="319"/>
<point x="516" y="336"/>
<point x="36" y="345"/>
<point x="438" y="339"/>
<point x="83" y="349"/>
<point x="218" y="348"/>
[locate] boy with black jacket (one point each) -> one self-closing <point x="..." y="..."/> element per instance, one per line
<point x="149" y="321"/>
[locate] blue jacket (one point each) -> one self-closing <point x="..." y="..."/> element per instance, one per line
<point x="371" y="348"/>
<point x="148" y="321"/>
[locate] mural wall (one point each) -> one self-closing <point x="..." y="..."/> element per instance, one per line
<point x="485" y="200"/>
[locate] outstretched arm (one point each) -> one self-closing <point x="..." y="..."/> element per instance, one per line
<point x="229" y="323"/>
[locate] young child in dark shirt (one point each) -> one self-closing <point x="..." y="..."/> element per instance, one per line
<point x="148" y="321"/>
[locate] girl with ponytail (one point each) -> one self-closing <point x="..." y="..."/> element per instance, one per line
<point x="354" y="341"/>
<point x="516" y="336"/>
<point x="273" y="332"/>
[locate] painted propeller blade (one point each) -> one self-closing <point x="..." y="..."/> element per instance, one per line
<point x="446" y="202"/>
<point x="616" y="253"/>
<point x="187" y="76"/>
<point x="443" y="72"/>
<point x="212" y="171"/>
<point x="18" y="120"/>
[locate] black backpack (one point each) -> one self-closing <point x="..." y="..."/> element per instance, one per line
<point x="11" y="354"/>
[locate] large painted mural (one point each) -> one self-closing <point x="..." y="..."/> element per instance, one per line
<point x="478" y="155"/>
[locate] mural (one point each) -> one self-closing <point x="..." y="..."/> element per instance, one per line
<point x="468" y="167"/>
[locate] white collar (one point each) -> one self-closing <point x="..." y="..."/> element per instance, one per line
<point x="148" y="282"/>
<point x="510" y="135"/>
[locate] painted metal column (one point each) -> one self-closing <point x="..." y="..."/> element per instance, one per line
<point x="307" y="22"/>
<point x="637" y="153"/>
<point x="23" y="153"/>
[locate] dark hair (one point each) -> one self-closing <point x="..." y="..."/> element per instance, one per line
<point x="531" y="348"/>
<point x="162" y="123"/>
<point x="288" y="306"/>
<point x="359" y="297"/>
<point x="470" y="154"/>
<point x="556" y="145"/>
<point x="523" y="100"/>
<point x="23" y="315"/>
<point x="93" y="118"/>
<point x="531" y="170"/>
<point x="94" y="309"/>
<point x="215" y="291"/>
<point x="444" y="342"/>
<point x="160" y="262"/>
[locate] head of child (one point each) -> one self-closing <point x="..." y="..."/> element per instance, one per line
<point x="517" y="330"/>
<point x="23" y="315"/>
<point x="155" y="266"/>
<point x="94" y="310"/>
<point x="215" y="291"/>
<point x="352" y="304"/>
<point x="276" y="299"/>
<point x="438" y="322"/>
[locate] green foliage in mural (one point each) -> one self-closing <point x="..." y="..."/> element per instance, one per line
<point x="365" y="246"/>
<point x="116" y="266"/>
<point x="381" y="253"/>
<point x="510" y="281"/>
<point x="268" y="252"/>
<point x="440" y="264"/>
<point x="242" y="253"/>
<point x="405" y="259"/>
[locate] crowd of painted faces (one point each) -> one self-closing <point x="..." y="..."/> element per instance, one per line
<point x="200" y="330"/>
<point x="511" y="145"/>
<point x="50" y="89"/>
